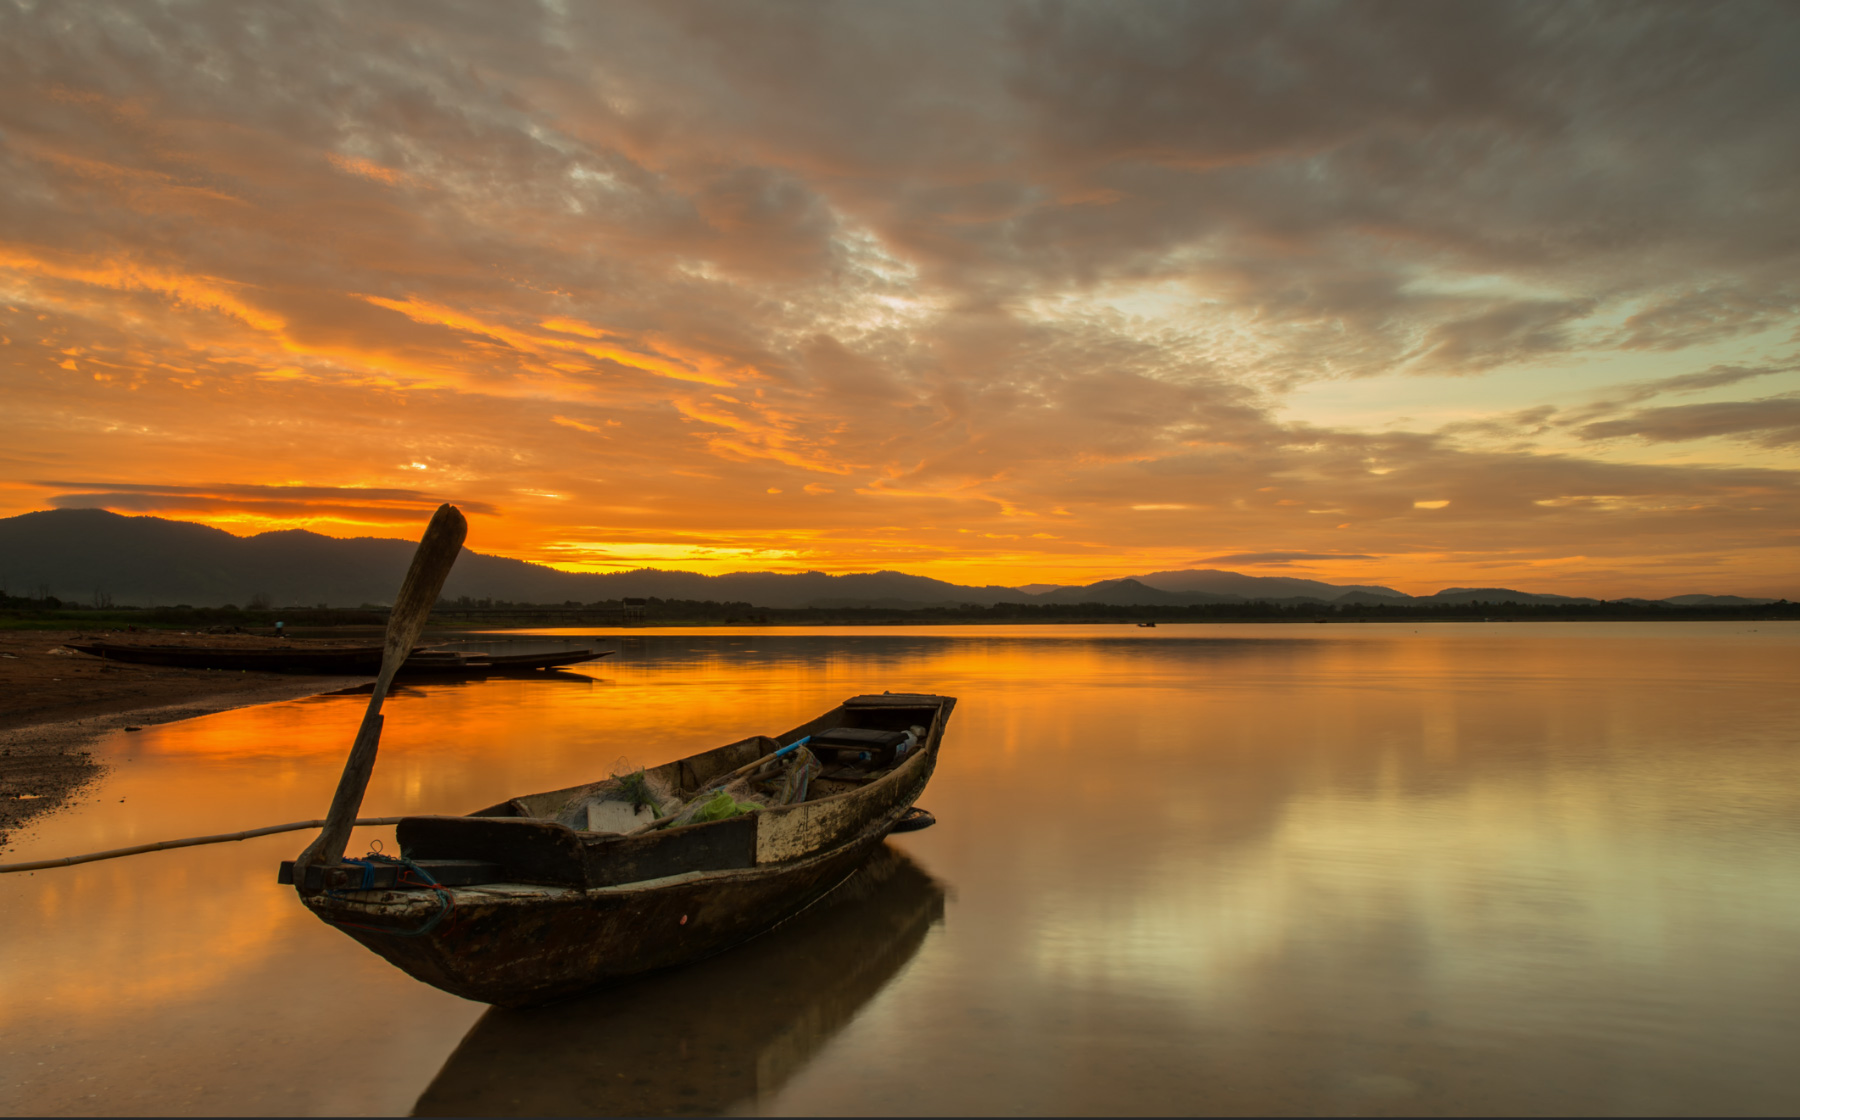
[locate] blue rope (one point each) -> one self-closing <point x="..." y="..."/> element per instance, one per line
<point x="370" y="883"/>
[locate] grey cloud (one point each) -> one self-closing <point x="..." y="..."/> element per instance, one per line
<point x="1310" y="163"/>
<point x="1500" y="335"/>
<point x="1711" y="378"/>
<point x="162" y="503"/>
<point x="132" y="496"/>
<point x="1679" y="320"/>
<point x="359" y="494"/>
<point x="1770" y="422"/>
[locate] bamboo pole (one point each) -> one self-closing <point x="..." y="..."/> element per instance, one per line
<point x="161" y="845"/>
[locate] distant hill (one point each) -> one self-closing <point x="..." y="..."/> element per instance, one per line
<point x="76" y="554"/>
<point x="1496" y="595"/>
<point x="1715" y="601"/>
<point x="80" y="554"/>
<point x="1131" y="593"/>
<point x="1237" y="585"/>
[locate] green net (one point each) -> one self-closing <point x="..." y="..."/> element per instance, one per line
<point x="721" y="807"/>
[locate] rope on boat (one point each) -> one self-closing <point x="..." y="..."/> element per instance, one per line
<point x="160" y="845"/>
<point x="370" y="866"/>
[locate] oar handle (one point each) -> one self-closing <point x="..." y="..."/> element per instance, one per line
<point x="778" y="752"/>
<point x="429" y="568"/>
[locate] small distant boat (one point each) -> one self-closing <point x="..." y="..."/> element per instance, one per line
<point x="444" y="663"/>
<point x="514" y="906"/>
<point x="1148" y="624"/>
<point x="336" y="661"/>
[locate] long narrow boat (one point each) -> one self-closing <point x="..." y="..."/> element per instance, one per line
<point x="447" y="663"/>
<point x="508" y="663"/>
<point x="516" y="905"/>
<point x="336" y="661"/>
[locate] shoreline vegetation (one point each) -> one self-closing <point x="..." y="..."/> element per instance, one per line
<point x="25" y="614"/>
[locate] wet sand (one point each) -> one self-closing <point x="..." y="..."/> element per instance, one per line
<point x="54" y="703"/>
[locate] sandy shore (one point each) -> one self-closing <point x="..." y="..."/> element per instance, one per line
<point x="55" y="703"/>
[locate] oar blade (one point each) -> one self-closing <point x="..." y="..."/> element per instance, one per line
<point x="429" y="570"/>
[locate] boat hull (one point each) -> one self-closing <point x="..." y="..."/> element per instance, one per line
<point x="520" y="944"/>
<point x="345" y="661"/>
<point x="544" y="944"/>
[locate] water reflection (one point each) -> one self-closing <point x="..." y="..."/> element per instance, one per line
<point x="418" y="691"/>
<point x="1526" y="869"/>
<point x="703" y="1039"/>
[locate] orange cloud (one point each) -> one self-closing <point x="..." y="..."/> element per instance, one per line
<point x="354" y="165"/>
<point x="423" y="311"/>
<point x="206" y="292"/>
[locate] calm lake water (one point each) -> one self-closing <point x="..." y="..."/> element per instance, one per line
<point x="1336" y="869"/>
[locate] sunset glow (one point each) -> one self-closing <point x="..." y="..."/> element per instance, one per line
<point x="1505" y="296"/>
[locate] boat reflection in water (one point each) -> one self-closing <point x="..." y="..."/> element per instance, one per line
<point x="402" y="691"/>
<point x="699" y="1039"/>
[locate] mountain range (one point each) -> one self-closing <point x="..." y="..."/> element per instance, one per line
<point x="84" y="555"/>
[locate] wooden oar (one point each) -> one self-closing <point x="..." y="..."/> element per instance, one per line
<point x="428" y="569"/>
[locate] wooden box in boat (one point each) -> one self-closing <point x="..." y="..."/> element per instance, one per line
<point x="531" y="910"/>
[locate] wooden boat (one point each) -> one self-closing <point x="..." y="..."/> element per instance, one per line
<point x="335" y="661"/>
<point x="525" y="909"/>
<point x="713" y="1038"/>
<point x="448" y="663"/>
<point x="509" y="663"/>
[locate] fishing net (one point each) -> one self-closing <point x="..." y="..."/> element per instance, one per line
<point x="719" y="808"/>
<point x="637" y="788"/>
<point x="630" y="798"/>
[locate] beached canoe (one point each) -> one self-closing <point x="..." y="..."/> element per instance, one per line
<point x="335" y="661"/>
<point x="531" y="902"/>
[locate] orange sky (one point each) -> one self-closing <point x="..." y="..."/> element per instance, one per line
<point x="1505" y="297"/>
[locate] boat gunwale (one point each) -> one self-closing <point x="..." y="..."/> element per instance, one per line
<point x="421" y="902"/>
<point x="920" y="763"/>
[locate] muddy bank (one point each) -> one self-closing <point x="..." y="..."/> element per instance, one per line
<point x="54" y="703"/>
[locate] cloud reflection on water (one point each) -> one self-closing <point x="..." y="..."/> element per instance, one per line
<point x="1329" y="869"/>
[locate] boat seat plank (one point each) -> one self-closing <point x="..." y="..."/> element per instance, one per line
<point x="897" y="700"/>
<point x="531" y="851"/>
<point x="713" y="846"/>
